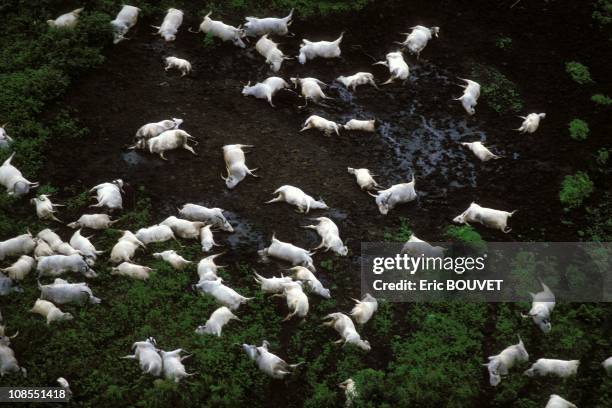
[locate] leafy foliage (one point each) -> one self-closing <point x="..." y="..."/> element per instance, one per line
<point x="578" y="129"/>
<point x="579" y="73"/>
<point x="499" y="92"/>
<point x="575" y="189"/>
<point x="602" y="99"/>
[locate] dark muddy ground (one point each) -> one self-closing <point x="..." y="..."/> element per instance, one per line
<point x="420" y="127"/>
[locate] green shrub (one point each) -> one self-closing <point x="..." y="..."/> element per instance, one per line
<point x="464" y="233"/>
<point x="601" y="99"/>
<point x="603" y="12"/>
<point x="499" y="93"/>
<point x="602" y="156"/>
<point x="578" y="72"/>
<point x="578" y="129"/>
<point x="402" y="234"/>
<point x="575" y="189"/>
<point x="503" y="43"/>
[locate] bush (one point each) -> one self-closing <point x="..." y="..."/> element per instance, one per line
<point x="578" y="72"/>
<point x="603" y="12"/>
<point x="499" y="93"/>
<point x="601" y="99"/>
<point x="466" y="234"/>
<point x="503" y="43"/>
<point x="578" y="129"/>
<point x="575" y="189"/>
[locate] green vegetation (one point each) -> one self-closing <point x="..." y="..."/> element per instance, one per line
<point x="305" y="8"/>
<point x="602" y="156"/>
<point x="578" y="72"/>
<point x="602" y="99"/>
<point x="499" y="93"/>
<point x="603" y="13"/>
<point x="575" y="189"/>
<point x="503" y="43"/>
<point x="402" y="234"/>
<point x="465" y="234"/>
<point x="578" y="129"/>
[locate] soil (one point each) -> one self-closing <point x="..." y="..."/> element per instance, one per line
<point x="419" y="126"/>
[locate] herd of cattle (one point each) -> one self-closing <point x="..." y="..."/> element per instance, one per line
<point x="50" y="256"/>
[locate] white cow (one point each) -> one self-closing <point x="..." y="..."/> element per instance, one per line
<point x="62" y="292"/>
<point x="178" y="63"/>
<point x="126" y="19"/>
<point x="216" y="321"/>
<point x="398" y="68"/>
<point x="321" y="49"/>
<point x="8" y="362"/>
<point x="223" y="294"/>
<point x="212" y="216"/>
<point x="126" y="247"/>
<point x="500" y="364"/>
<point x="396" y="194"/>
<point x="83" y="245"/>
<point x="345" y="327"/>
<point x="168" y="140"/>
<point x="93" y="221"/>
<point x="132" y="271"/>
<point x="553" y="367"/>
<point x="310" y="89"/>
<point x="147" y="355"/>
<point x="364" y="179"/>
<point x="184" y="228"/>
<point x="417" y="39"/>
<point x="486" y="216"/>
<point x="20" y="245"/>
<point x="287" y="252"/>
<point x="350" y="392"/>
<point x="270" y="51"/>
<point x="173" y="367"/>
<point x="5" y="139"/>
<point x="531" y="122"/>
<point x="266" y="89"/>
<point x="207" y="240"/>
<point x="207" y="269"/>
<point x="481" y="151"/>
<point x="56" y="265"/>
<point x="416" y="247"/>
<point x="297" y="301"/>
<point x="21" y="268"/>
<point x="222" y="31"/>
<point x="157" y="128"/>
<point x="360" y="78"/>
<point x="270" y="25"/>
<point x="68" y="20"/>
<point x="330" y="236"/>
<point x="109" y="195"/>
<point x="471" y="93"/>
<point x="50" y="312"/>
<point x="273" y="284"/>
<point x="235" y="165"/>
<point x="542" y="306"/>
<point x="294" y="196"/>
<point x="556" y="401"/>
<point x="364" y="309"/>
<point x="170" y="25"/>
<point x="326" y="126"/>
<point x="174" y="259"/>
<point x="12" y="179"/>
<point x="312" y="283"/>
<point x="269" y="363"/>
<point x="361" y="125"/>
<point x="45" y="209"/>
<point x="156" y="233"/>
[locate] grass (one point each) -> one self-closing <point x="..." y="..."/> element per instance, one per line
<point x="498" y="92"/>
<point x="578" y="72"/>
<point x="402" y="234"/>
<point x="465" y="234"/>
<point x="578" y="129"/>
<point x="575" y="189"/>
<point x="602" y="99"/>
